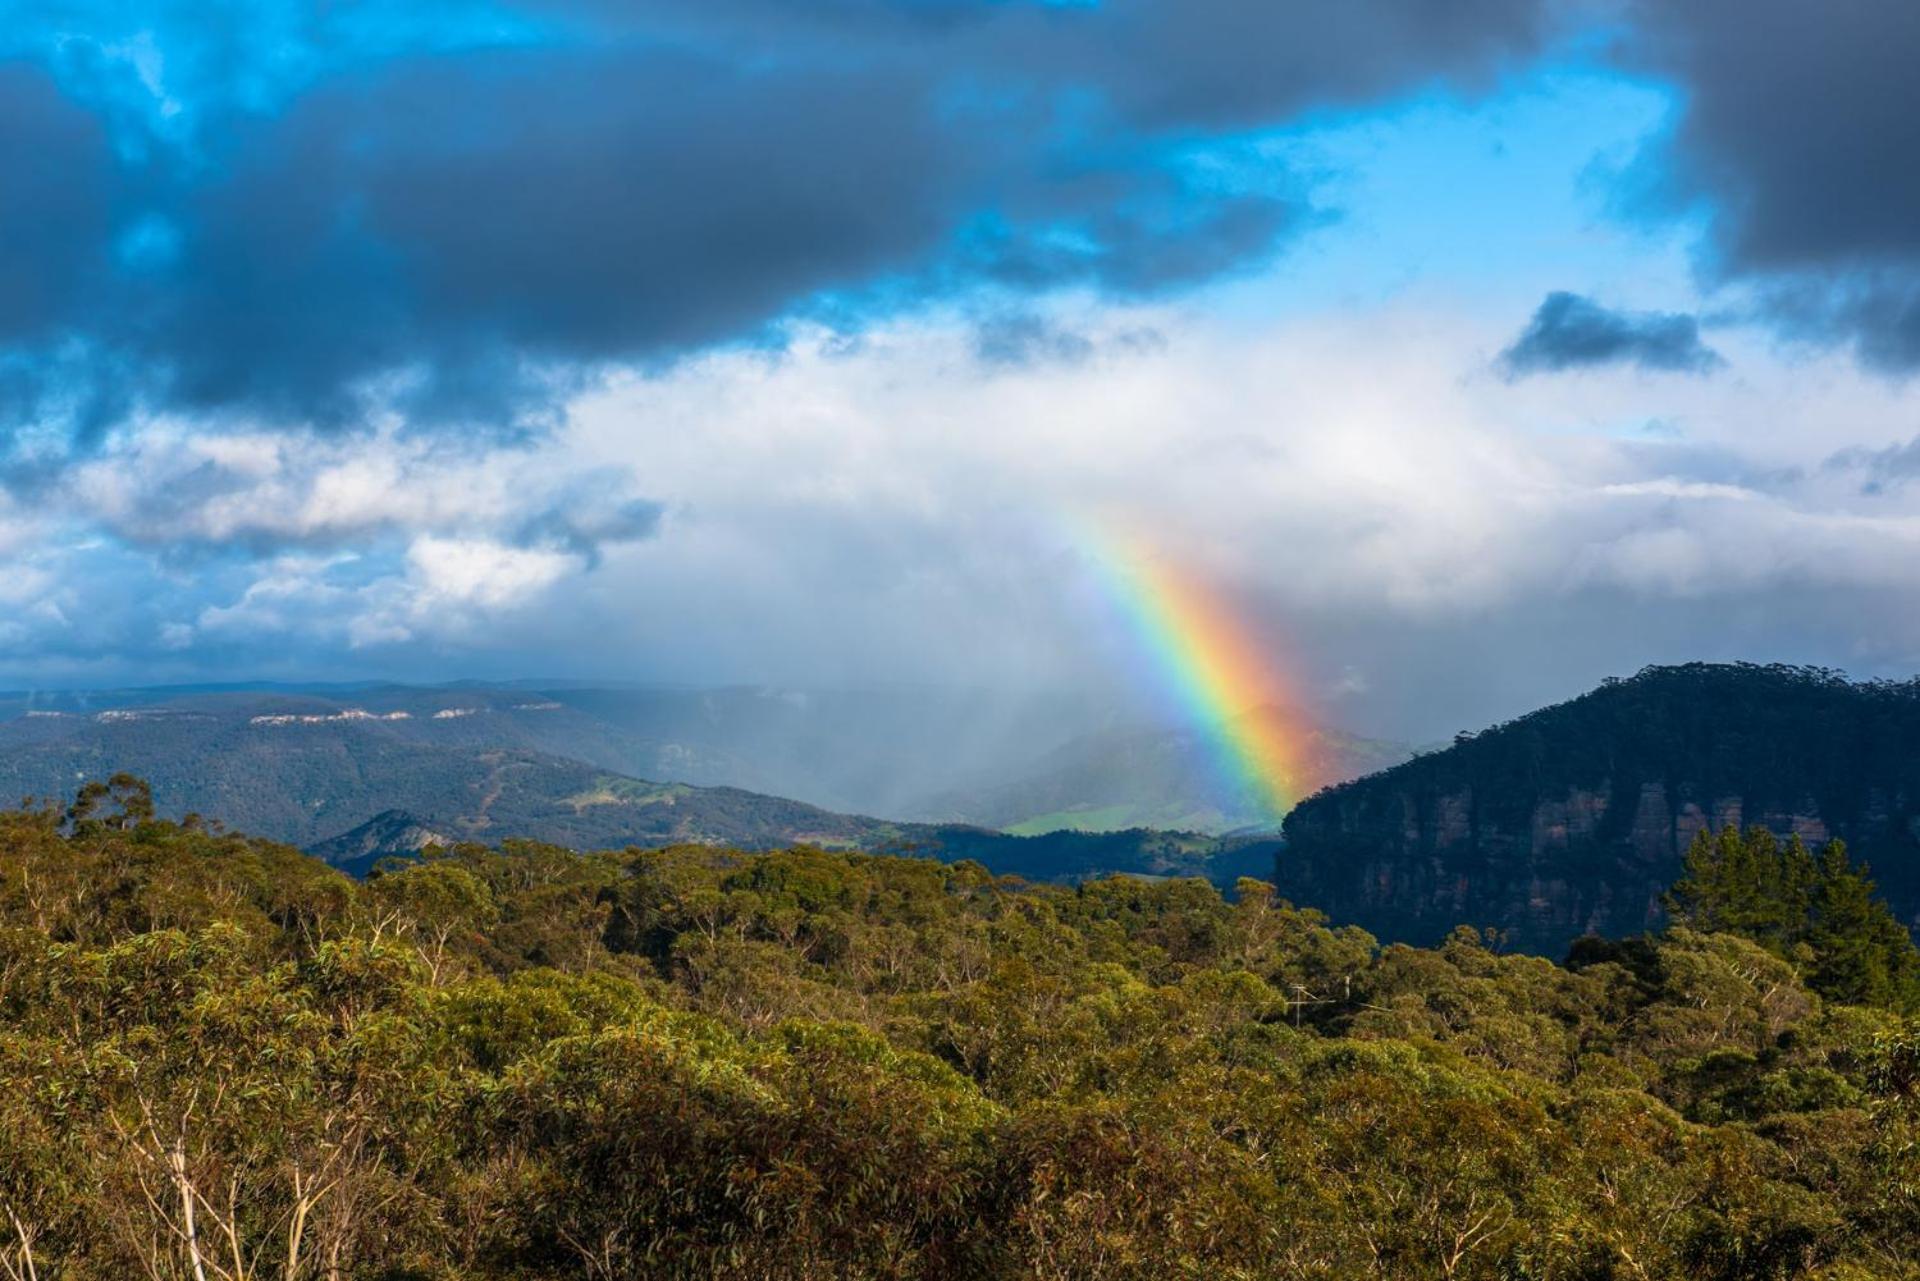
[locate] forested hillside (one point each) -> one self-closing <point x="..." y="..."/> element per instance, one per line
<point x="872" y="753"/>
<point x="1575" y="817"/>
<point x="221" y="1058"/>
<point x="287" y="760"/>
<point x="485" y="764"/>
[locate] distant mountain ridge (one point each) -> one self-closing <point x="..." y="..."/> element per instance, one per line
<point x="305" y="773"/>
<point x="1027" y="765"/>
<point x="387" y="770"/>
<point x="1575" y="817"/>
<point x="253" y="751"/>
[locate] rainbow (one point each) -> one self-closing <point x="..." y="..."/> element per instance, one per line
<point x="1225" y="681"/>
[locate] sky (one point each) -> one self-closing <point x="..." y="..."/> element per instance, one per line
<point x="1474" y="351"/>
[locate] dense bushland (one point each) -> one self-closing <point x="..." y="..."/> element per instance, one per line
<point x="222" y="1059"/>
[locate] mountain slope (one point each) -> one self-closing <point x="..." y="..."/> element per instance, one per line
<point x="388" y="834"/>
<point x="1575" y="818"/>
<point x="1150" y="777"/>
<point x="876" y="752"/>
<point x="306" y="783"/>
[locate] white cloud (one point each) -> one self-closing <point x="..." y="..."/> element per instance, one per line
<point x="1331" y="462"/>
<point x="896" y="508"/>
<point x="1669" y="487"/>
<point x="292" y="592"/>
<point x="173" y="484"/>
<point x="901" y="504"/>
<point x="441" y="590"/>
<point x="467" y="571"/>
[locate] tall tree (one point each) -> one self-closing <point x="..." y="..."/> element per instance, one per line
<point x="1862" y="954"/>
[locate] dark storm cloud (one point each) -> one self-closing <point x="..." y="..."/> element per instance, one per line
<point x="464" y="219"/>
<point x="55" y="198"/>
<point x="458" y="218"/>
<point x="1572" y="332"/>
<point x="1800" y="131"/>
<point x="1207" y="64"/>
<point x="1241" y="63"/>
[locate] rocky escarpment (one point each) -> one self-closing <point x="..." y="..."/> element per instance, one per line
<point x="1575" y="819"/>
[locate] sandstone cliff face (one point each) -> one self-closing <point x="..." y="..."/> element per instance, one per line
<point x="1590" y="860"/>
<point x="1576" y="819"/>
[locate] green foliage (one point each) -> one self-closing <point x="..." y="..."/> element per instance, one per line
<point x="219" y="1058"/>
<point x="1821" y="912"/>
<point x="1861" y="953"/>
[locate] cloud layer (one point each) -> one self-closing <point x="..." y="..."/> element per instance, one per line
<point x="453" y="216"/>
<point x="307" y="216"/>
<point x="1797" y="139"/>
<point x="750" y="339"/>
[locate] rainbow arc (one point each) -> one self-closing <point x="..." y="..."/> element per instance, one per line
<point x="1216" y="668"/>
